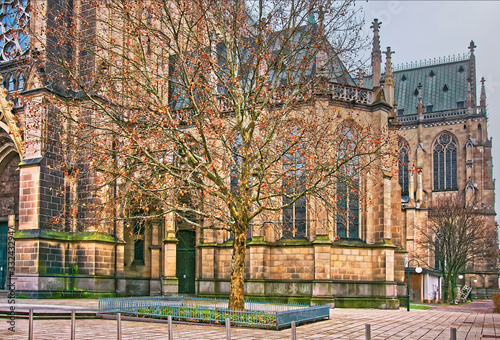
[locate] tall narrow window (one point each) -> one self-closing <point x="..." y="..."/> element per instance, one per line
<point x="139" y="252"/>
<point x="295" y="215"/>
<point x="403" y="168"/>
<point x="479" y="133"/>
<point x="347" y="214"/>
<point x="138" y="225"/>
<point x="445" y="163"/>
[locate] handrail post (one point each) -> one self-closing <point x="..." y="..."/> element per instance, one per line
<point x="30" y="326"/>
<point x="228" y="329"/>
<point x="170" y="330"/>
<point x="73" y="324"/>
<point x="453" y="333"/>
<point x="119" y="326"/>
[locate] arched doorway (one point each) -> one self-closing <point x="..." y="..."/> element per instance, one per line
<point x="186" y="258"/>
<point x="9" y="195"/>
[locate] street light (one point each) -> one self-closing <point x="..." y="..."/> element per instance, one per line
<point x="418" y="270"/>
<point x="475" y="281"/>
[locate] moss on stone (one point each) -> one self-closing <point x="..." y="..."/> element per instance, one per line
<point x="293" y="242"/>
<point x="85" y="236"/>
<point x="360" y="244"/>
<point x="322" y="239"/>
<point x="258" y="241"/>
<point x="209" y="244"/>
<point x="170" y="240"/>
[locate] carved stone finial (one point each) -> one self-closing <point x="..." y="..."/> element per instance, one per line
<point x="376" y="25"/>
<point x="472" y="46"/>
<point x="388" y="64"/>
<point x="388" y="52"/>
<point x="482" y="99"/>
<point x="376" y="54"/>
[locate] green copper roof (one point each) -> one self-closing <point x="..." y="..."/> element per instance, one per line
<point x="444" y="85"/>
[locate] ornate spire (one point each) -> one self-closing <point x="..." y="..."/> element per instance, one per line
<point x="389" y="80"/>
<point x="482" y="99"/>
<point x="376" y="54"/>
<point x="472" y="73"/>
<point x="321" y="17"/>
<point x="472" y="47"/>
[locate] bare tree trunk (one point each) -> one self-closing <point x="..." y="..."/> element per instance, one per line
<point x="236" y="292"/>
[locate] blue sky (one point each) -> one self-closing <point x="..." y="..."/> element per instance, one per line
<point x="418" y="30"/>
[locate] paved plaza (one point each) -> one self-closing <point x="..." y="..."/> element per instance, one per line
<point x="343" y="324"/>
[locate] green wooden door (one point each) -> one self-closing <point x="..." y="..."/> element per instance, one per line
<point x="186" y="254"/>
<point x="3" y="253"/>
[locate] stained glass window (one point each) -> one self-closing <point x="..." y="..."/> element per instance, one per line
<point x="14" y="21"/>
<point x="445" y="163"/>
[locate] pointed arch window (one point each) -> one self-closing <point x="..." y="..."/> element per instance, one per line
<point x="347" y="214"/>
<point x="403" y="161"/>
<point x="294" y="216"/>
<point x="20" y="83"/>
<point x="445" y="163"/>
<point x="479" y="133"/>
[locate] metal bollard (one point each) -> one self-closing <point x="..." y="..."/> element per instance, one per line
<point x="170" y="330"/>
<point x="119" y="326"/>
<point x="453" y="333"/>
<point x="228" y="329"/>
<point x="368" y="331"/>
<point x="294" y="330"/>
<point x="73" y="325"/>
<point x="30" y="325"/>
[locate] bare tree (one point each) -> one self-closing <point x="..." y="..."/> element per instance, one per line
<point x="208" y="110"/>
<point x="457" y="234"/>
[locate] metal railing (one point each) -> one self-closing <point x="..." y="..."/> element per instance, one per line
<point x="215" y="311"/>
<point x="440" y="115"/>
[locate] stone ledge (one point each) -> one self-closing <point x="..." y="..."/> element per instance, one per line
<point x="66" y="236"/>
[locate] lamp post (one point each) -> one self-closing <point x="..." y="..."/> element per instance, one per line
<point x="475" y="281"/>
<point x="418" y="270"/>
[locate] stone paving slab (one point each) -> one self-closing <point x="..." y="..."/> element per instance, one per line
<point x="344" y="324"/>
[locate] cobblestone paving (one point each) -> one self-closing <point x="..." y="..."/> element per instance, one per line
<point x="344" y="324"/>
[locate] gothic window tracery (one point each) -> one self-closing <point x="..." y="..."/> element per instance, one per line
<point x="14" y="21"/>
<point x="403" y="161"/>
<point x="445" y="163"/>
<point x="347" y="214"/>
<point x="295" y="215"/>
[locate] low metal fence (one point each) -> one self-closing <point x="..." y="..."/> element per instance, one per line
<point x="215" y="311"/>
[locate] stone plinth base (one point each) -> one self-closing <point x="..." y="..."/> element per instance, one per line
<point x="346" y="294"/>
<point x="169" y="285"/>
